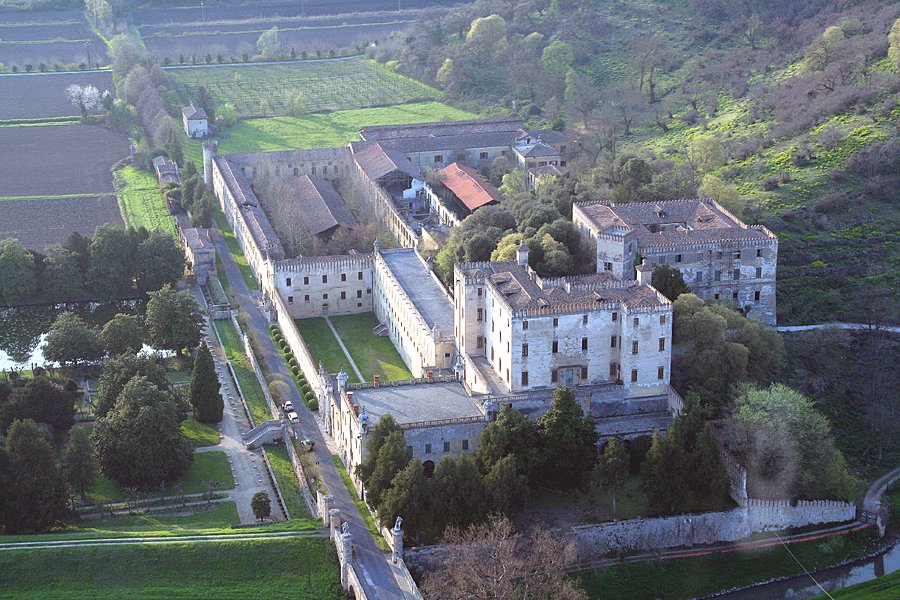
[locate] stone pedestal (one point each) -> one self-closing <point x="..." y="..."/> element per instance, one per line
<point x="346" y="558"/>
<point x="334" y="520"/>
<point x="397" y="555"/>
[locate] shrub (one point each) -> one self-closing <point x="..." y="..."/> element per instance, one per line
<point x="296" y="371"/>
<point x="312" y="405"/>
<point x="306" y="389"/>
<point x="292" y="361"/>
<point x="309" y="395"/>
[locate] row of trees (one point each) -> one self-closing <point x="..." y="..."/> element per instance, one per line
<point x="111" y="264"/>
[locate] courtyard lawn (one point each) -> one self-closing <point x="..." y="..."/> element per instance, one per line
<point x="371" y="353"/>
<point x="367" y="517"/>
<point x="692" y="577"/>
<point x="320" y="130"/>
<point x="200" y="434"/>
<point x="307" y="567"/>
<point x="234" y="351"/>
<point x="141" y="201"/>
<point x="207" y="467"/>
<point x="324" y="347"/>
<point x="287" y="481"/>
<point x="235" y="249"/>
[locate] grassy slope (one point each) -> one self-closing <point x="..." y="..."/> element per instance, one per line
<point x="360" y="505"/>
<point x="324" y="346"/>
<point x="141" y="201"/>
<point x="235" y="249"/>
<point x="303" y="568"/>
<point x="287" y="481"/>
<point x="883" y="588"/>
<point x="690" y="577"/>
<point x="372" y="354"/>
<point x="234" y="351"/>
<point x="200" y="434"/>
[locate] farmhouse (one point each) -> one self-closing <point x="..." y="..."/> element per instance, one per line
<point x="458" y="192"/>
<point x="166" y="171"/>
<point x="719" y="256"/>
<point x="324" y="211"/>
<point x="195" y="121"/>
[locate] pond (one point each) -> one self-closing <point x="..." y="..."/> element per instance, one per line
<point x="23" y="328"/>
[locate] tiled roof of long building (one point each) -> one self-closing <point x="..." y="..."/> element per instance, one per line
<point x="377" y="160"/>
<point x="264" y="236"/>
<point x="323" y="208"/>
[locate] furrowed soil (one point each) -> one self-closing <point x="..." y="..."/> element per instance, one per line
<point x="37" y="95"/>
<point x="39" y="222"/>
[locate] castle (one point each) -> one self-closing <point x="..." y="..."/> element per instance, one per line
<point x="501" y="334"/>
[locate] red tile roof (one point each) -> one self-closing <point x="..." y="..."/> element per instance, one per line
<point x="468" y="186"/>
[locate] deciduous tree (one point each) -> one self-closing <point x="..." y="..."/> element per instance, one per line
<point x="204" y="395"/>
<point x="71" y="340"/>
<point x="173" y="320"/>
<point x="117" y="371"/>
<point x="269" y="43"/>
<point x="80" y="466"/>
<point x="41" y="401"/>
<point x="159" y="260"/>
<point x="17" y="276"/>
<point x="112" y="257"/>
<point x="85" y="98"/>
<point x="62" y="279"/>
<point x="123" y="334"/>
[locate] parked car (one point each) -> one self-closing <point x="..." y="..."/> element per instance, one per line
<point x="287" y="406"/>
<point x="307" y="445"/>
<point x="292" y="417"/>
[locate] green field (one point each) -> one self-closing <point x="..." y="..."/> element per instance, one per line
<point x="235" y="249"/>
<point x="371" y="353"/>
<point x="324" y="130"/>
<point x="200" y="434"/>
<point x="267" y="90"/>
<point x="234" y="351"/>
<point x="324" y="347"/>
<point x="691" y="577"/>
<point x="883" y="588"/>
<point x="207" y="467"/>
<point x="300" y="568"/>
<point x="287" y="481"/>
<point x="141" y="201"/>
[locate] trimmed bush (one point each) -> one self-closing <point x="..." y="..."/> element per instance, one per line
<point x="309" y="396"/>
<point x="295" y="371"/>
<point x="312" y="405"/>
<point x="293" y="362"/>
<point x="306" y="389"/>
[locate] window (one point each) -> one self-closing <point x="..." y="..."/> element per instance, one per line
<point x="584" y="343"/>
<point x="716" y="296"/>
<point x="324" y="296"/>
<point x="584" y="319"/>
<point x="524" y="349"/>
<point x="507" y="373"/>
<point x="359" y="293"/>
<point x="607" y="266"/>
<point x="483" y="155"/>
<point x="438" y="158"/>
<point x="343" y="277"/>
<point x="480" y="315"/>
<point x="615" y="317"/>
<point x="719" y="255"/>
<point x="756" y="296"/>
<point x="324" y="278"/>
<point x="524" y="377"/>
<point x="359" y="305"/>
<point x="479" y="341"/>
<point x="306" y="298"/>
<point x="555" y="346"/>
<point x="306" y="281"/>
<point x="662" y="344"/>
<point x="296" y="171"/>
<point x="660" y="373"/>
<point x="290" y="299"/>
<point x="758" y="273"/>
<point x="637" y="322"/>
<point x="446" y="446"/>
<point x="758" y="252"/>
<point x="288" y="282"/>
<point x="584" y="373"/>
<point x="718" y="276"/>
<point x="479" y="292"/>
<point x="359" y="276"/>
<point x="634" y="375"/>
<point x="734" y="295"/>
<point x="678" y="258"/>
<point x="612" y="341"/>
<point x="555" y="322"/>
<point x="662" y="319"/>
<point x="343" y="295"/>
<point x="562" y="163"/>
<point x="465" y="444"/>
<point x="427" y="448"/>
<point x="634" y="347"/>
<point x="699" y="278"/>
<point x="553" y="376"/>
<point x="325" y="170"/>
<point x="736" y="275"/>
<point x="313" y="171"/>
<point x="524" y="324"/>
<point x="492" y="353"/>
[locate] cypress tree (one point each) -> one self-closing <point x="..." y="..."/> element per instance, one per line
<point x="205" y="398"/>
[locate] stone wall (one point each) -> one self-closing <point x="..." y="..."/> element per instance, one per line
<point x="328" y="285"/>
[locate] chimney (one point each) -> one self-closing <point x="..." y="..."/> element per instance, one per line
<point x="522" y="254"/>
<point x="644" y="273"/>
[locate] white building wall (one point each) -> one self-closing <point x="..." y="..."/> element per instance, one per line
<point x="331" y="286"/>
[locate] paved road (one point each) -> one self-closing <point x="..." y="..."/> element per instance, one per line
<point x="852" y="326"/>
<point x="872" y="501"/>
<point x="374" y="570"/>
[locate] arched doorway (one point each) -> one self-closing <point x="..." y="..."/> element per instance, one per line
<point x="428" y="468"/>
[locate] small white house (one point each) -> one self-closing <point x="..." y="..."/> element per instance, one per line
<point x="196" y="123"/>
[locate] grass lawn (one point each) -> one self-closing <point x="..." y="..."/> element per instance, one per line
<point x="287" y="481"/>
<point x="141" y="201"/>
<point x="200" y="434"/>
<point x="304" y="568"/>
<point x="234" y="351"/>
<point x="371" y="353"/>
<point x="320" y="130"/>
<point x="367" y="517"/>
<point x="690" y="577"/>
<point x="324" y="347"/>
<point x="235" y="249"/>
<point x="883" y="588"/>
<point x="207" y="466"/>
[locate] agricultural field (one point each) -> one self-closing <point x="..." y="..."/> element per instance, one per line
<point x="326" y="130"/>
<point x="58" y="161"/>
<point x="141" y="201"/>
<point x="36" y="96"/>
<point x="265" y="90"/>
<point x="52" y="38"/>
<point x="38" y="222"/>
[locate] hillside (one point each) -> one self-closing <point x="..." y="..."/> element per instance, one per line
<point x="785" y="112"/>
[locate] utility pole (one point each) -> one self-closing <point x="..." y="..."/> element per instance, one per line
<point x="202" y="12"/>
<point x="87" y="46"/>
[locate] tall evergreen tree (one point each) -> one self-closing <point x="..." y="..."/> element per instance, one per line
<point x="379" y="432"/>
<point x="511" y="433"/>
<point x="80" y="466"/>
<point x="392" y="457"/>
<point x="611" y="469"/>
<point x="459" y="498"/>
<point x="111" y="269"/>
<point x="204" y="395"/>
<point x="505" y="488"/>
<point x="408" y="497"/>
<point x="663" y="475"/>
<point x="567" y="441"/>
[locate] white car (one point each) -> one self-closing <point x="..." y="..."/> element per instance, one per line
<point x="288" y="406"/>
<point x="293" y="418"/>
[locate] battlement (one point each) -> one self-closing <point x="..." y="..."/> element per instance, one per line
<point x="349" y="261"/>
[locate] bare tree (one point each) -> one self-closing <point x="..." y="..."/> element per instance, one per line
<point x="278" y="199"/>
<point x="494" y="561"/>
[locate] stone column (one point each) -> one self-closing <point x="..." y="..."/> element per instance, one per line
<point x="346" y="558"/>
<point x="397" y="555"/>
<point x="334" y="519"/>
